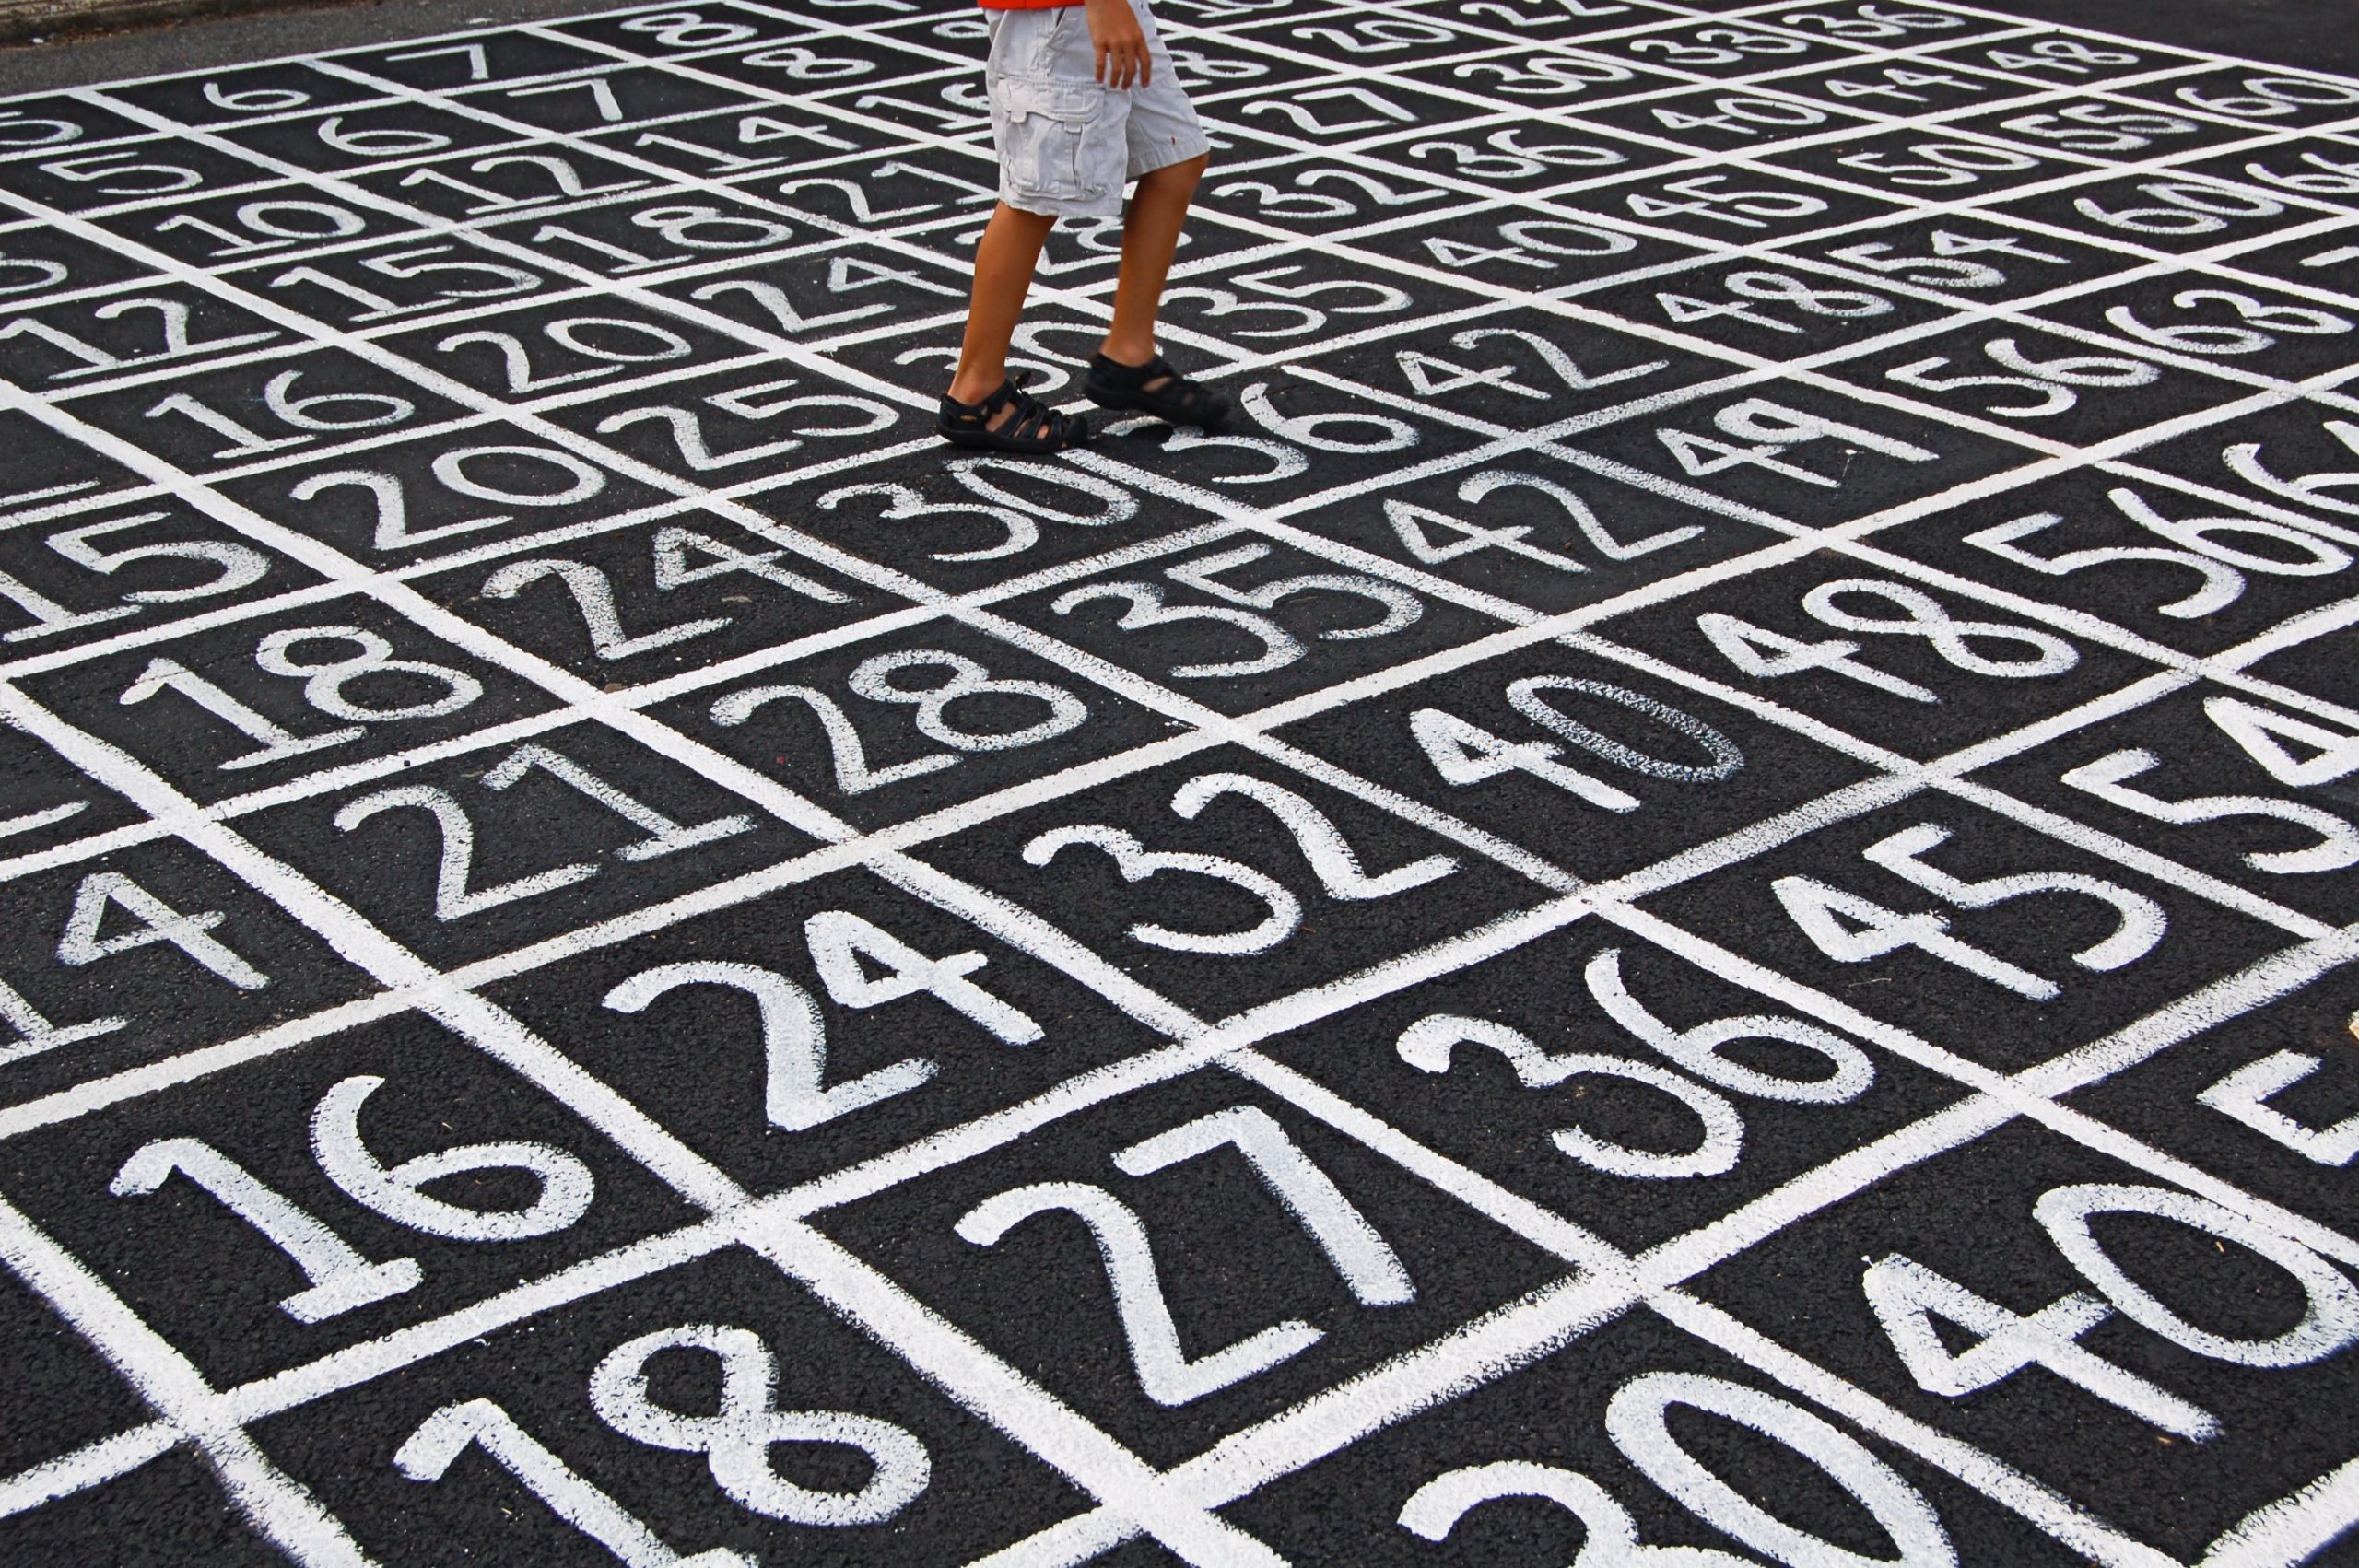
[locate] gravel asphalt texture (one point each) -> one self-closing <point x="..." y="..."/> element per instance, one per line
<point x="1695" y="894"/>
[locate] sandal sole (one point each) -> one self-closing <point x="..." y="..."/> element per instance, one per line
<point x="1139" y="402"/>
<point x="969" y="441"/>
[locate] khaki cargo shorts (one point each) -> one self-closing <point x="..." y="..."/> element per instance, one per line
<point x="1068" y="144"/>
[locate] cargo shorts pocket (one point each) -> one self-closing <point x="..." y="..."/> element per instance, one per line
<point x="1044" y="135"/>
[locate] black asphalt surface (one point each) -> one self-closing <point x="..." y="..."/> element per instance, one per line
<point x="1690" y="901"/>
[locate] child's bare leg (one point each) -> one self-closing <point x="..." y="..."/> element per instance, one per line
<point x="1127" y="373"/>
<point x="1003" y="265"/>
<point x="1150" y="234"/>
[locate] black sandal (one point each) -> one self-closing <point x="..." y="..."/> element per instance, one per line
<point x="1033" y="429"/>
<point x="1113" y="384"/>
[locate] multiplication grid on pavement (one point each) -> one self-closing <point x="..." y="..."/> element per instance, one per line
<point x="1692" y="896"/>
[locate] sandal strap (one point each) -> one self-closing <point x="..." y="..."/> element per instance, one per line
<point x="1192" y="399"/>
<point x="1064" y="429"/>
<point x="1132" y="378"/>
<point x="1033" y="420"/>
<point x="1031" y="423"/>
<point x="978" y="413"/>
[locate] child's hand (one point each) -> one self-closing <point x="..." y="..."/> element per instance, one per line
<point x="1122" y="43"/>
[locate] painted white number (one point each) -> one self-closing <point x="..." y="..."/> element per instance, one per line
<point x="429" y="1452"/>
<point x="1907" y="1298"/>
<point x="874" y="678"/>
<point x="397" y="1192"/>
<point x="737" y="1438"/>
<point x="340" y="1278"/>
<point x="1820" y="912"/>
<point x="794" y="1035"/>
<point x="1637" y="1419"/>
<point x="1167" y="1376"/>
<point x="2336" y="846"/>
<point x="2220" y="566"/>
<point x="1430" y="1044"/>
<point x="1466" y="754"/>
